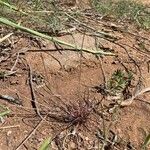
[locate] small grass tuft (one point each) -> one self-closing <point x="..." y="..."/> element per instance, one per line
<point x="119" y="82"/>
<point x="78" y="115"/>
<point x="74" y="114"/>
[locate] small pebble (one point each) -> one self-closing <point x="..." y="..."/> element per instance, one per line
<point x="9" y="132"/>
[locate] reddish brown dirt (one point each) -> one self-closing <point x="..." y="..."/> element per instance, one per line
<point x="69" y="77"/>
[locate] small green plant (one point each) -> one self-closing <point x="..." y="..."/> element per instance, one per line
<point x="118" y="82"/>
<point x="3" y="112"/>
<point x="103" y="6"/>
<point x="54" y="22"/>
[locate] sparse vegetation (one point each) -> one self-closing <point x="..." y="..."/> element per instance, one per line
<point x="52" y="54"/>
<point x="119" y="82"/>
<point x="117" y="85"/>
<point x="44" y="18"/>
<point x="124" y="11"/>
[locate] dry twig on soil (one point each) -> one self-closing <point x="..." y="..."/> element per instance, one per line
<point x="130" y="100"/>
<point x="53" y="39"/>
<point x="34" y="101"/>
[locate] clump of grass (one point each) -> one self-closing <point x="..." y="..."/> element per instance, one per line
<point x="74" y="114"/>
<point x="124" y="10"/>
<point x="103" y="6"/>
<point x="39" y="14"/>
<point x="118" y="82"/>
<point x="55" y="23"/>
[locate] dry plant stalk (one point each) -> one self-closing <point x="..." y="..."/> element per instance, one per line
<point x="5" y="37"/>
<point x="129" y="101"/>
<point x="52" y="39"/>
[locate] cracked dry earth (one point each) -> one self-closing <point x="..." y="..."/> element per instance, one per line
<point x="66" y="77"/>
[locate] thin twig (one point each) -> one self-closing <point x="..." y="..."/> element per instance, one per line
<point x="61" y="66"/>
<point x="5" y="37"/>
<point x="116" y="27"/>
<point x="31" y="133"/>
<point x="80" y="57"/>
<point x="8" y="127"/>
<point x="103" y="73"/>
<point x="13" y="67"/>
<point x="34" y="101"/>
<point x="103" y="34"/>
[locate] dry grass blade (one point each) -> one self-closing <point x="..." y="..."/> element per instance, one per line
<point x="8" y="127"/>
<point x="130" y="100"/>
<point x="5" y="37"/>
<point x="102" y="34"/>
<point x="52" y="39"/>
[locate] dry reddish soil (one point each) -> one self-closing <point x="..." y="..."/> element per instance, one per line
<point x="67" y="78"/>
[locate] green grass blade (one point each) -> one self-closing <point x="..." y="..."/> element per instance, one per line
<point x="146" y="142"/>
<point x="45" y="145"/>
<point x="44" y="36"/>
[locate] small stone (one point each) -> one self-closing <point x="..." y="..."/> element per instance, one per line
<point x="86" y="138"/>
